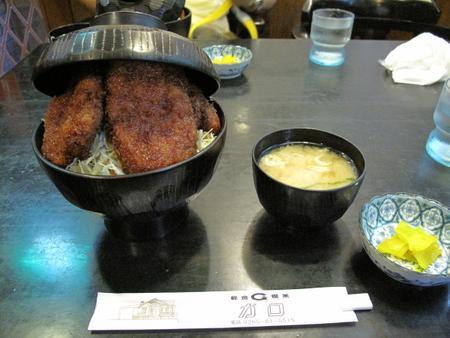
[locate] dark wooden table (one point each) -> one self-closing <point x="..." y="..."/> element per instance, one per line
<point x="54" y="258"/>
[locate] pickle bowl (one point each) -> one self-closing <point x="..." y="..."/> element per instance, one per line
<point x="377" y="222"/>
<point x="219" y="54"/>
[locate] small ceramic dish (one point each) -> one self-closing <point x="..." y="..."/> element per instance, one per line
<point x="381" y="215"/>
<point x="241" y="55"/>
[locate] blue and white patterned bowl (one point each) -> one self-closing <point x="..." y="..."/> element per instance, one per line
<point x="381" y="215"/>
<point x="231" y="70"/>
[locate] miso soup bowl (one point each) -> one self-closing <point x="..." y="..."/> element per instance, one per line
<point x="301" y="208"/>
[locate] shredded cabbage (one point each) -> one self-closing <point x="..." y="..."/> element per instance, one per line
<point x="103" y="159"/>
<point x="204" y="139"/>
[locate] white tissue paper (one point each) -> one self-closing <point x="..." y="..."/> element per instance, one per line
<point x="423" y="60"/>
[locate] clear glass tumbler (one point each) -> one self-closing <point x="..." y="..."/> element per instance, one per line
<point x="438" y="144"/>
<point x="331" y="30"/>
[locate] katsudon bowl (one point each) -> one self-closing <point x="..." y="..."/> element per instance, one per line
<point x="140" y="206"/>
<point x="144" y="205"/>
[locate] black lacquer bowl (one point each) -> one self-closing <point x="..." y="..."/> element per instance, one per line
<point x="140" y="206"/>
<point x="300" y="208"/>
<point x="180" y="26"/>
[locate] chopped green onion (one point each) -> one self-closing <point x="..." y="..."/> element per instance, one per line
<point x="350" y="179"/>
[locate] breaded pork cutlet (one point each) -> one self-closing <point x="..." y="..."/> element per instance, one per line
<point x="205" y="111"/>
<point x="151" y="110"/>
<point x="150" y="114"/>
<point x="73" y="119"/>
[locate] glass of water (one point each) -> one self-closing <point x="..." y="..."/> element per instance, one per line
<point x="331" y="29"/>
<point x="438" y="144"/>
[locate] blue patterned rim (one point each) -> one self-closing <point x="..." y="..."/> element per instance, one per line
<point x="380" y="216"/>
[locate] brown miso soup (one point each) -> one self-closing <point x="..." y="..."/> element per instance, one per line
<point x="308" y="165"/>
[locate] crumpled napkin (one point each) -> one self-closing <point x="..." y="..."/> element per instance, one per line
<point x="423" y="60"/>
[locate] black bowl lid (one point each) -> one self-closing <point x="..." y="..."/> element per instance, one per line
<point x="62" y="57"/>
<point x="127" y="18"/>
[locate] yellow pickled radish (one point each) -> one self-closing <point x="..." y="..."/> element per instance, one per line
<point x="413" y="244"/>
<point x="227" y="59"/>
<point x="404" y="231"/>
<point x="394" y="246"/>
<point x="416" y="238"/>
<point x="409" y="256"/>
<point x="427" y="256"/>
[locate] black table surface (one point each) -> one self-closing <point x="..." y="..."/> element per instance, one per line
<point x="54" y="257"/>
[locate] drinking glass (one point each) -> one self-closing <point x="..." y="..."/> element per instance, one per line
<point x="330" y="31"/>
<point x="438" y="144"/>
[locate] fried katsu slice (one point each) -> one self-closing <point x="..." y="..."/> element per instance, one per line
<point x="150" y="115"/>
<point x="205" y="111"/>
<point x="73" y="119"/>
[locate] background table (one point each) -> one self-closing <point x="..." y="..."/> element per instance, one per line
<point x="54" y="258"/>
